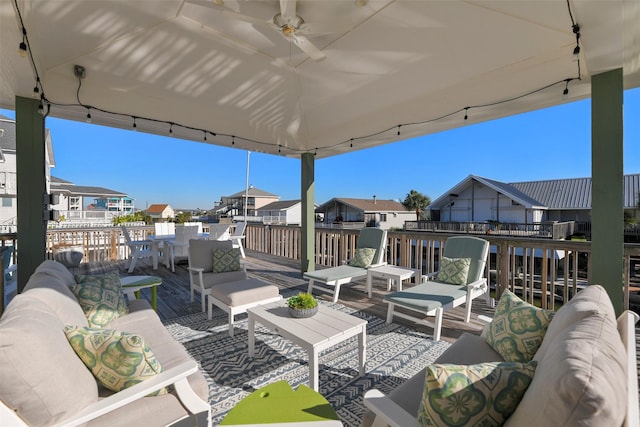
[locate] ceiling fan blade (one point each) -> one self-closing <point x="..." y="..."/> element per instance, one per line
<point x="307" y="47"/>
<point x="288" y="9"/>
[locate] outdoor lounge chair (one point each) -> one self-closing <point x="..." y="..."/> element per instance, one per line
<point x="335" y="277"/>
<point x="433" y="297"/>
<point x="139" y="249"/>
<point x="237" y="236"/>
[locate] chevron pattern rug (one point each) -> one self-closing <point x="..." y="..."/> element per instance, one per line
<point x="394" y="354"/>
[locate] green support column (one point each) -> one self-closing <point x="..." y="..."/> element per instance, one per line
<point x="307" y="188"/>
<point x="30" y="172"/>
<point x="607" y="212"/>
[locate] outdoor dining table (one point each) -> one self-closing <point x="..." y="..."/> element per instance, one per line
<point x="166" y="240"/>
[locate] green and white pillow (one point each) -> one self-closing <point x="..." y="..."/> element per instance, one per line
<point x="117" y="359"/>
<point x="225" y="260"/>
<point x="453" y="270"/>
<point x="473" y="395"/>
<point x="101" y="298"/>
<point x="517" y="328"/>
<point x="363" y="257"/>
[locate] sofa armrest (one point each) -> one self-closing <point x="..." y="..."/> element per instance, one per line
<point x="626" y="328"/>
<point x="388" y="413"/>
<point x="176" y="375"/>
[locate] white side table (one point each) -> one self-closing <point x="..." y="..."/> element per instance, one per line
<point x="391" y="273"/>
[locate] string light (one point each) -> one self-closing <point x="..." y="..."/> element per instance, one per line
<point x="565" y="92"/>
<point x="44" y="102"/>
<point x="22" y="47"/>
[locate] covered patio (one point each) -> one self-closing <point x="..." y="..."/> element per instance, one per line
<point x="312" y="79"/>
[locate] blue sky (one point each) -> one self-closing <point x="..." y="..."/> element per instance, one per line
<point x="546" y="144"/>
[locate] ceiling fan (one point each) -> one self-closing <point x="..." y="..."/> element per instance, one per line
<point x="289" y="24"/>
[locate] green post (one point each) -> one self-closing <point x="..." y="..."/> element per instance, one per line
<point x="30" y="172"/>
<point x="307" y="188"/>
<point x="607" y="210"/>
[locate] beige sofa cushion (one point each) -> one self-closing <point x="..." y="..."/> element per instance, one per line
<point x="40" y="375"/>
<point x="580" y="379"/>
<point x="201" y="252"/>
<point x="235" y="294"/>
<point x="50" y="284"/>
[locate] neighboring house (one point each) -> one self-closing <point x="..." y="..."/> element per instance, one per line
<point x="161" y="211"/>
<point x="86" y="203"/>
<point x="384" y="214"/>
<point x="233" y="206"/>
<point x="8" y="182"/>
<point x="285" y="212"/>
<point x="478" y="199"/>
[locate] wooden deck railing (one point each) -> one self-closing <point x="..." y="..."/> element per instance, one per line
<point x="548" y="270"/>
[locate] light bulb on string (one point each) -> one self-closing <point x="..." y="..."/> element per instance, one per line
<point x="88" y="115"/>
<point x="466" y="115"/>
<point x="565" y="92"/>
<point x="135" y="125"/>
<point x="205" y="136"/>
<point x="22" y="47"/>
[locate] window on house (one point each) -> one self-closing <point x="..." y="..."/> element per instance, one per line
<point x="7" y="202"/>
<point x="383" y="217"/>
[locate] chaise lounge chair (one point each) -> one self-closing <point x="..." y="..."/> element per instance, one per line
<point x="370" y="252"/>
<point x="449" y="288"/>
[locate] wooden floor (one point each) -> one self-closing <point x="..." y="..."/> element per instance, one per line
<point x="174" y="297"/>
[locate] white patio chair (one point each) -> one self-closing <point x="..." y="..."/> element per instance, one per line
<point x="432" y="298"/>
<point x="140" y="249"/>
<point x="238" y="235"/>
<point x="219" y="231"/>
<point x="335" y="277"/>
<point x="184" y="233"/>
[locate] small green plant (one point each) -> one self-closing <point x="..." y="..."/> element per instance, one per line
<point x="302" y="300"/>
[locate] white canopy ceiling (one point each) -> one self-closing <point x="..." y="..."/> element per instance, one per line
<point x="225" y="68"/>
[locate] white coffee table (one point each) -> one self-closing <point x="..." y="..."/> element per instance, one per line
<point x="391" y="273"/>
<point x="325" y="329"/>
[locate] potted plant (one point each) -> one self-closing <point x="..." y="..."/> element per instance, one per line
<point x="302" y="305"/>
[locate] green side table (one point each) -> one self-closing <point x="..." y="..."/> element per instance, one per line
<point x="279" y="403"/>
<point x="131" y="286"/>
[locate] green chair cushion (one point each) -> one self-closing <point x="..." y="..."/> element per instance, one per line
<point x="453" y="270"/>
<point x="427" y="296"/>
<point x="117" y="359"/>
<point x="363" y="257"/>
<point x="473" y="395"/>
<point x="101" y="298"/>
<point x="517" y="328"/>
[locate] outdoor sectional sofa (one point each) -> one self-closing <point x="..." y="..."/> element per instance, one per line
<point x="586" y="371"/>
<point x="44" y="382"/>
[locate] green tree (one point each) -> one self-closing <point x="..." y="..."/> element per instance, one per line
<point x="138" y="216"/>
<point x="416" y="201"/>
<point x="183" y="217"/>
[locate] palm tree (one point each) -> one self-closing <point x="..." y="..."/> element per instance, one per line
<point x="416" y="201"/>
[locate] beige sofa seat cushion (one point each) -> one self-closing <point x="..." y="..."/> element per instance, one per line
<point x="235" y="294"/>
<point x="147" y="412"/>
<point x="580" y="379"/>
<point x="40" y="375"/>
<point x="213" y="279"/>
<point x="169" y="352"/>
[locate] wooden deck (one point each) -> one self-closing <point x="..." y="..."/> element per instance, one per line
<point x="174" y="297"/>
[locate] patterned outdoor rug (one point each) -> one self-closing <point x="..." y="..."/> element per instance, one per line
<point x="394" y="354"/>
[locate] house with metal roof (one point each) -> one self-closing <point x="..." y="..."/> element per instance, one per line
<point x="478" y="199"/>
<point x="372" y="212"/>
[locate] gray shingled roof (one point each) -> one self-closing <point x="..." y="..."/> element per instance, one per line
<point x="253" y="192"/>
<point x="279" y="205"/>
<point x="367" y="205"/>
<point x="60" y="185"/>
